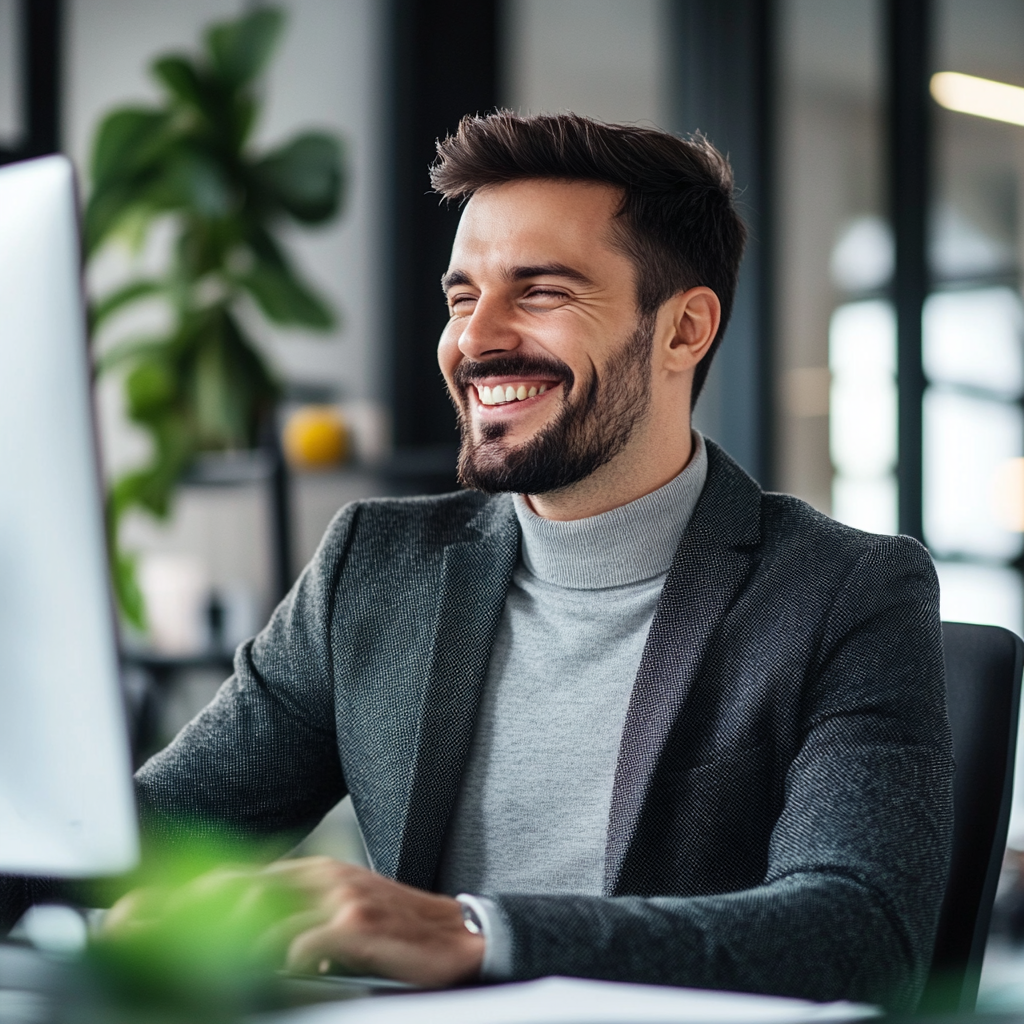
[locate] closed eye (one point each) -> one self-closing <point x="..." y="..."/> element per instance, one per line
<point x="545" y="297"/>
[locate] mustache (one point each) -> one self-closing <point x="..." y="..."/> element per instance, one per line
<point x="470" y="370"/>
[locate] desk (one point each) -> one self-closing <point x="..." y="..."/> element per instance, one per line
<point x="36" y="990"/>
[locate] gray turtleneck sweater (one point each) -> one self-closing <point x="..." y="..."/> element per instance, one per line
<point x="532" y="811"/>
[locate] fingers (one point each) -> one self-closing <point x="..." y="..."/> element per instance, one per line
<point x="132" y="910"/>
<point x="309" y="950"/>
<point x="394" y="931"/>
<point x="317" y="873"/>
<point x="218" y="887"/>
<point x="275" y="940"/>
<point x="258" y="910"/>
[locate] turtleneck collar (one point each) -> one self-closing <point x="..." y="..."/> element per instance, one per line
<point x="628" y="544"/>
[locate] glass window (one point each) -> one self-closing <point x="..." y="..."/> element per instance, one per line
<point x="972" y="338"/>
<point x="992" y="595"/>
<point x="968" y="442"/>
<point x="974" y="322"/>
<point x="862" y="415"/>
<point x="834" y="248"/>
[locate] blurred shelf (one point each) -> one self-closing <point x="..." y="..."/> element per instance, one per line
<point x="242" y="468"/>
<point x="232" y="469"/>
<point x="163" y="665"/>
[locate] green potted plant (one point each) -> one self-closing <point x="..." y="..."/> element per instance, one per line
<point x="202" y="385"/>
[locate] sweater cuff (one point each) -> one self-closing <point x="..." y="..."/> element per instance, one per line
<point x="497" y="965"/>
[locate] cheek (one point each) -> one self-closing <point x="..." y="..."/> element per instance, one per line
<point x="448" y="354"/>
<point x="580" y="341"/>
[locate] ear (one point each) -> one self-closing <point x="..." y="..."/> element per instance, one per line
<point x="691" y="320"/>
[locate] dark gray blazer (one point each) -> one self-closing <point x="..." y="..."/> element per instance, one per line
<point x="782" y="809"/>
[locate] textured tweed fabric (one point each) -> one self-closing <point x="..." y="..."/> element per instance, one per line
<point x="577" y="614"/>
<point x="782" y="807"/>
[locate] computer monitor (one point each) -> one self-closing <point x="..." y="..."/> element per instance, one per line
<point x="66" y="802"/>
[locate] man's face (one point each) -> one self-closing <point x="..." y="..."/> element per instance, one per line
<point x="544" y="355"/>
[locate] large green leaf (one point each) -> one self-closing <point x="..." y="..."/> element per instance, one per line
<point x="232" y="387"/>
<point x="239" y="49"/>
<point x="200" y="183"/>
<point x="126" y="352"/>
<point x="257" y="387"/>
<point x="128" y="139"/>
<point x="244" y="111"/>
<point x="152" y="487"/>
<point x="111" y="208"/>
<point x="220" y="412"/>
<point x="178" y="75"/>
<point x="135" y="199"/>
<point x="126" y="588"/>
<point x="304" y="177"/>
<point x="120" y="297"/>
<point x="151" y="386"/>
<point x="105" y="210"/>
<point x="284" y="299"/>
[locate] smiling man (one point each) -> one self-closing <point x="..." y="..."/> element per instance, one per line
<point x="549" y="359"/>
<point x="612" y="711"/>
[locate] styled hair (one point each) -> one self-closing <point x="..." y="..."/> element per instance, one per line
<point x="678" y="220"/>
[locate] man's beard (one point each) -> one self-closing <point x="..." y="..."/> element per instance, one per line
<point x="588" y="432"/>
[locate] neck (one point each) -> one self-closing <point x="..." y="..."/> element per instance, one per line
<point x="630" y="475"/>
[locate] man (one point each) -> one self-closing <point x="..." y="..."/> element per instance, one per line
<point x="649" y="722"/>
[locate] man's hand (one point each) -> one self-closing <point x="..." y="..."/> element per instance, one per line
<point x="314" y="914"/>
<point x="367" y="924"/>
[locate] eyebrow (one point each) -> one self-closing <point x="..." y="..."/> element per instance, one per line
<point x="457" y="277"/>
<point x="452" y="278"/>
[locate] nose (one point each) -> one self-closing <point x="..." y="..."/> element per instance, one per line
<point x="490" y="329"/>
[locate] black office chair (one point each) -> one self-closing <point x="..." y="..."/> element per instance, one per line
<point x="983" y="682"/>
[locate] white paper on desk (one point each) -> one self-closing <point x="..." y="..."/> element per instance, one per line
<point x="574" y="1001"/>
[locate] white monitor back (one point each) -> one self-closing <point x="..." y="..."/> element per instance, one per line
<point x="66" y="802"/>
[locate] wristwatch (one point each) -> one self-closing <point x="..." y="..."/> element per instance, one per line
<point x="471" y="917"/>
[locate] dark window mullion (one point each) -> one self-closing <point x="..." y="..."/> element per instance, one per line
<point x="40" y="24"/>
<point x="909" y="165"/>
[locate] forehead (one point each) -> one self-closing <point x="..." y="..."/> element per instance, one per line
<point x="536" y="221"/>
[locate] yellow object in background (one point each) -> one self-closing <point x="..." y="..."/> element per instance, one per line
<point x="315" y="437"/>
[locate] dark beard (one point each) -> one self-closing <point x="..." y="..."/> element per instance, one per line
<point x="588" y="432"/>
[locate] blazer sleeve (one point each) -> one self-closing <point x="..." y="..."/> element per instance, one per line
<point x="260" y="762"/>
<point x="858" y="858"/>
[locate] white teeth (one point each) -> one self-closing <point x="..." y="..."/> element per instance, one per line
<point x="500" y="394"/>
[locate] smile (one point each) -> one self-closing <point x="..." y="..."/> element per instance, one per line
<point x="502" y="394"/>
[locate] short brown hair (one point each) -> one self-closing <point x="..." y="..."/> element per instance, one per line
<point x="680" y="225"/>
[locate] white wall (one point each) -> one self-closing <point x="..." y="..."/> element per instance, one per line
<point x="603" y="58"/>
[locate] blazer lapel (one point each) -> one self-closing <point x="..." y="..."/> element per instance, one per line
<point x="710" y="567"/>
<point x="474" y="580"/>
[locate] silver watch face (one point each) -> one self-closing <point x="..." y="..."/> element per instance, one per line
<point x="471" y="920"/>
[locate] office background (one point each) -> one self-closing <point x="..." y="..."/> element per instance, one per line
<point x="875" y="364"/>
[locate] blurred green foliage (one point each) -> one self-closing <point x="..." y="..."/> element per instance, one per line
<point x="191" y="937"/>
<point x="202" y="385"/>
